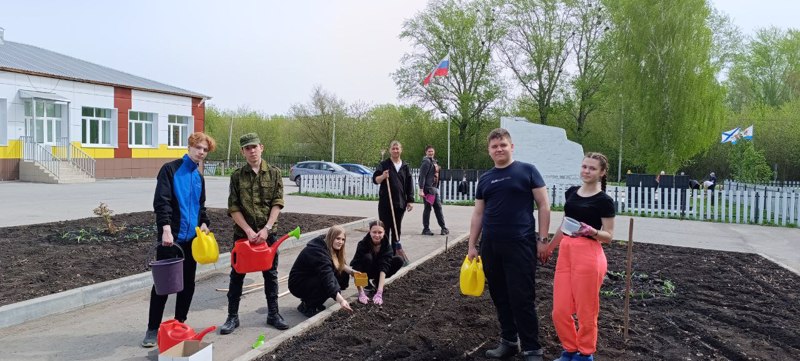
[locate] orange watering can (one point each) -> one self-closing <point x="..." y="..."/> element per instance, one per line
<point x="172" y="332"/>
<point x="247" y="257"/>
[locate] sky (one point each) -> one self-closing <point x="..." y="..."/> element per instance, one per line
<point x="262" y="55"/>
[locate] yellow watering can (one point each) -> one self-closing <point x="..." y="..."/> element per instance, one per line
<point x="204" y="247"/>
<point x="472" y="278"/>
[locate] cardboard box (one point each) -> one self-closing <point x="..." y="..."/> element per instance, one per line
<point x="188" y="351"/>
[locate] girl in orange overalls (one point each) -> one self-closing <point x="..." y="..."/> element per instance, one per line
<point x="581" y="263"/>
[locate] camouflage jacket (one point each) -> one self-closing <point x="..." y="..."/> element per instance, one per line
<point x="254" y="195"/>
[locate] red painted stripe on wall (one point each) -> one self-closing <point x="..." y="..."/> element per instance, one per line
<point x="199" y="114"/>
<point x="123" y="102"/>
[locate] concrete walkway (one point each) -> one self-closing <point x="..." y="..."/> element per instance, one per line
<point x="112" y="330"/>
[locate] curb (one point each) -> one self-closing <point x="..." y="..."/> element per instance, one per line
<point x="319" y="318"/>
<point x="20" y="312"/>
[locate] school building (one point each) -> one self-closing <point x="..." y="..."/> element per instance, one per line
<point x="66" y="120"/>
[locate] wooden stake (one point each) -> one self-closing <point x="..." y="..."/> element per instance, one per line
<point x="628" y="274"/>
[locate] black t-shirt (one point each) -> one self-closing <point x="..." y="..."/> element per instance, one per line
<point x="508" y="199"/>
<point x="588" y="210"/>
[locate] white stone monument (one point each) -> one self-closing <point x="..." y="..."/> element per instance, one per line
<point x="557" y="158"/>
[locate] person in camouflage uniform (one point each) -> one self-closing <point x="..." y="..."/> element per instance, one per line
<point x="254" y="202"/>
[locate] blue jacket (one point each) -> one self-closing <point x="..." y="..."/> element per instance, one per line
<point x="180" y="199"/>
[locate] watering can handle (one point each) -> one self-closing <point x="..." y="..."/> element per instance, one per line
<point x="153" y="253"/>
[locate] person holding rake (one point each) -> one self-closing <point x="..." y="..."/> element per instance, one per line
<point x="396" y="194"/>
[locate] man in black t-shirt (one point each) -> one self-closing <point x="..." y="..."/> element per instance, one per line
<point x="503" y="217"/>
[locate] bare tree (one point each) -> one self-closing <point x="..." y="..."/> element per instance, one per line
<point x="537" y="46"/>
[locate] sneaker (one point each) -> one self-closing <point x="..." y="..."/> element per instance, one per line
<point x="427" y="232"/>
<point x="445" y="231"/>
<point x="566" y="356"/>
<point x="150" y="338"/>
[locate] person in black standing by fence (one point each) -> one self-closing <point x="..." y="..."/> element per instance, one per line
<point x="429" y="192"/>
<point x="397" y="173"/>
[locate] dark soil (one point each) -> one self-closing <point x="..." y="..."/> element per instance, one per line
<point x="688" y="304"/>
<point x="41" y="259"/>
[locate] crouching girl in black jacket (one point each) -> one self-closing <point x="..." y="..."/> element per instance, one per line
<point x="320" y="272"/>
<point x="374" y="257"/>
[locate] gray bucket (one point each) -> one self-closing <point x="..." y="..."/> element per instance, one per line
<point x="168" y="274"/>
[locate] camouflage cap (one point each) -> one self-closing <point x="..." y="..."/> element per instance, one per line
<point x="249" y="139"/>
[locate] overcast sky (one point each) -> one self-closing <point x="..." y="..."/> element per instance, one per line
<point x="264" y="55"/>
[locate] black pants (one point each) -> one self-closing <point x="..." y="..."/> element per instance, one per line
<point x="159" y="302"/>
<point x="437" y="209"/>
<point x="311" y="290"/>
<point x="510" y="268"/>
<point x="368" y="265"/>
<point x="270" y="283"/>
<point x="385" y="215"/>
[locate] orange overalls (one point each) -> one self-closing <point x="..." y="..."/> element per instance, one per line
<point x="579" y="274"/>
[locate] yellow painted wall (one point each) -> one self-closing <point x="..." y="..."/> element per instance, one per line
<point x="161" y="152"/>
<point x="96" y="153"/>
<point x="10" y="151"/>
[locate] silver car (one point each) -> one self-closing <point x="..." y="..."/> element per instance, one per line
<point x="317" y="167"/>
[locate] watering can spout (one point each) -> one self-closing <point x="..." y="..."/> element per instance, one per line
<point x="294" y="233"/>
<point x="199" y="336"/>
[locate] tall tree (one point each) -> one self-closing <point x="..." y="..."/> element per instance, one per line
<point x="591" y="50"/>
<point x="467" y="31"/>
<point x="726" y="41"/>
<point x="671" y="99"/>
<point x="317" y="119"/>
<point x="768" y="72"/>
<point x="537" y="45"/>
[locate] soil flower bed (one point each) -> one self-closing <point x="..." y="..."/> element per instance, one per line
<point x="47" y="258"/>
<point x="688" y="304"/>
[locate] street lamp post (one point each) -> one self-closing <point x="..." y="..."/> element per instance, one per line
<point x="333" y="141"/>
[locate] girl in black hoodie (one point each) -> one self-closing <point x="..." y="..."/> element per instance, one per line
<point x="374" y="257"/>
<point x="320" y="272"/>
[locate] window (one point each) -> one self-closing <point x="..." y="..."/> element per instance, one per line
<point x="140" y="128"/>
<point x="96" y="126"/>
<point x="46" y="126"/>
<point x="177" y="130"/>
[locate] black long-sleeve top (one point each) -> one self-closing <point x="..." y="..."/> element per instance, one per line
<point x="382" y="260"/>
<point x="401" y="182"/>
<point x="314" y="262"/>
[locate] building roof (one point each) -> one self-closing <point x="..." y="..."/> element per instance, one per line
<point x="29" y="59"/>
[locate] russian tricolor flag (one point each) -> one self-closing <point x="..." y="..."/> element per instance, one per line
<point x="441" y="70"/>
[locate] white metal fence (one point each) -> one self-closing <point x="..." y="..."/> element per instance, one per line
<point x="754" y="205"/>
<point x="363" y="186"/>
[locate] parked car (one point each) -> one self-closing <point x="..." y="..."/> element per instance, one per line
<point x="358" y="168"/>
<point x="317" y="167"/>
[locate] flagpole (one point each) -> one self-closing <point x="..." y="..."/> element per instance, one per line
<point x="448" y="143"/>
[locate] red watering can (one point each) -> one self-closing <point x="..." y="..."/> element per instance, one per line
<point x="172" y="332"/>
<point x="247" y="257"/>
